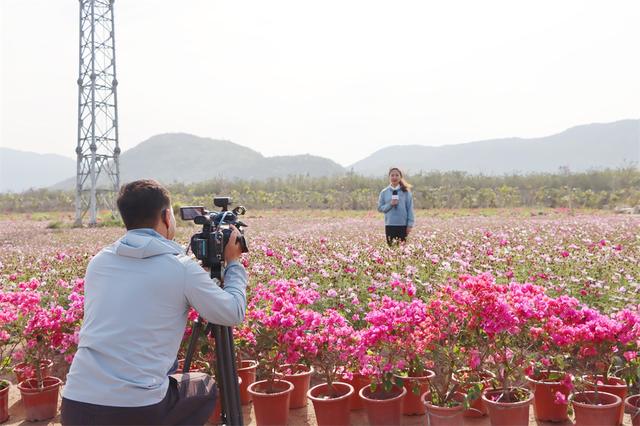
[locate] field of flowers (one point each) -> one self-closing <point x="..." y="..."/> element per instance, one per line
<point x="504" y="289"/>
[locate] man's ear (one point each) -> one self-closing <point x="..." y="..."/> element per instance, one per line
<point x="166" y="218"/>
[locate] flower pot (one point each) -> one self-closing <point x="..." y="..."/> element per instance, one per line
<point x="358" y="382"/>
<point x="613" y="385"/>
<point x="195" y="367"/>
<point x="412" y="405"/>
<point x="603" y="411"/>
<point x="544" y="391"/>
<point x="271" y="409"/>
<point x="247" y="372"/>
<point x="383" y="408"/>
<point x="40" y="404"/>
<point x="216" y="416"/>
<point x="632" y="405"/>
<point x="444" y="416"/>
<point x="300" y="376"/>
<point x="476" y="405"/>
<point x="4" y="401"/>
<point x="507" y="413"/>
<point x="24" y="370"/>
<point x="331" y="409"/>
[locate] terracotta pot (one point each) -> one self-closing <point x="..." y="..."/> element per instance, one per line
<point x="383" y="408"/>
<point x="358" y="382"/>
<point x="544" y="392"/>
<point x="4" y="401"/>
<point x="271" y="409"/>
<point x="476" y="405"/>
<point x="444" y="416"/>
<point x="632" y="405"/>
<point x="40" y="404"/>
<point x="300" y="376"/>
<point x="507" y="413"/>
<point x="216" y="416"/>
<point x="612" y="385"/>
<point x="247" y="372"/>
<point x="195" y="367"/>
<point x="415" y="386"/>
<point x="331" y="410"/>
<point x="588" y="413"/>
<point x="24" y="370"/>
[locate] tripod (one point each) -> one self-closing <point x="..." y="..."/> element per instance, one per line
<point x="226" y="371"/>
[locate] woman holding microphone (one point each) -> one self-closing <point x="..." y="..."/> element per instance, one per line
<point x="396" y="202"/>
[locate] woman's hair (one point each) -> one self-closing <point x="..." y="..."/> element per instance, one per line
<point x="404" y="185"/>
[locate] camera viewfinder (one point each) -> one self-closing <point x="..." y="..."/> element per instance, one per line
<point x="191" y="212"/>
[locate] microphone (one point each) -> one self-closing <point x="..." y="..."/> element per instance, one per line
<point x="394" y="196"/>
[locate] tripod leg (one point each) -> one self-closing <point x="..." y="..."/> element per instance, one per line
<point x="193" y="342"/>
<point x="228" y="374"/>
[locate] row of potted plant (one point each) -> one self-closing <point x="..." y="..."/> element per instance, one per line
<point x="37" y="324"/>
<point x="474" y="345"/>
<point x="473" y="340"/>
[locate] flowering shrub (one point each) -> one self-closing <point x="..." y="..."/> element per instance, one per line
<point x="453" y="347"/>
<point x="334" y="341"/>
<point x="8" y="337"/>
<point x="628" y="368"/>
<point x="280" y="320"/>
<point x="626" y="361"/>
<point x="46" y="327"/>
<point x="386" y="344"/>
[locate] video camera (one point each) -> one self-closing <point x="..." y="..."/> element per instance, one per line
<point x="208" y="245"/>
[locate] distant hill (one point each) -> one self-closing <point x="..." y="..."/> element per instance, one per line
<point x="580" y="148"/>
<point x="180" y="157"/>
<point x="20" y="170"/>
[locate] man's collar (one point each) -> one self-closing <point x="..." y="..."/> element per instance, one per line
<point x="147" y="231"/>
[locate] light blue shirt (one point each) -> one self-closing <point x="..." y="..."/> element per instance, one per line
<point x="399" y="215"/>
<point x="137" y="295"/>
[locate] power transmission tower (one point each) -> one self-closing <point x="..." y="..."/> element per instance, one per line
<point x="98" y="171"/>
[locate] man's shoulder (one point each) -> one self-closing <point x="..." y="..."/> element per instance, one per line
<point x="109" y="254"/>
<point x="185" y="261"/>
<point x="181" y="261"/>
<point x="105" y="253"/>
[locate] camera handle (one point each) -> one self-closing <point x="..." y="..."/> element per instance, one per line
<point x="226" y="370"/>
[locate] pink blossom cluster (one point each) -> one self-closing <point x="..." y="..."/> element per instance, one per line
<point x="42" y="320"/>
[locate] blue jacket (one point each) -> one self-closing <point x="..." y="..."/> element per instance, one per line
<point x="137" y="295"/>
<point x="400" y="215"/>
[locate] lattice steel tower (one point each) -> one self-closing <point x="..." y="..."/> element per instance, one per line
<point x="98" y="172"/>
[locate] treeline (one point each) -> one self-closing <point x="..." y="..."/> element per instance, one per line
<point x="598" y="189"/>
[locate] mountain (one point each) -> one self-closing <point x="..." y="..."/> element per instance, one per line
<point x="180" y="157"/>
<point x="20" y="170"/>
<point x="580" y="148"/>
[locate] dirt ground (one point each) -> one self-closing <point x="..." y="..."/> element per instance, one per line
<point x="298" y="417"/>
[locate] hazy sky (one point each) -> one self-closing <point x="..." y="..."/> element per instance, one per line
<point x="337" y="78"/>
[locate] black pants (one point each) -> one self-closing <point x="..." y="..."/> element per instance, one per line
<point x="395" y="234"/>
<point x="190" y="400"/>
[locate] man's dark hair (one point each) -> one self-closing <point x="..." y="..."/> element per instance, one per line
<point x="141" y="202"/>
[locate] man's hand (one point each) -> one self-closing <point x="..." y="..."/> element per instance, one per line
<point x="233" y="250"/>
<point x="394" y="202"/>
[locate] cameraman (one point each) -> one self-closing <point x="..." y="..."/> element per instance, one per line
<point x="137" y="295"/>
